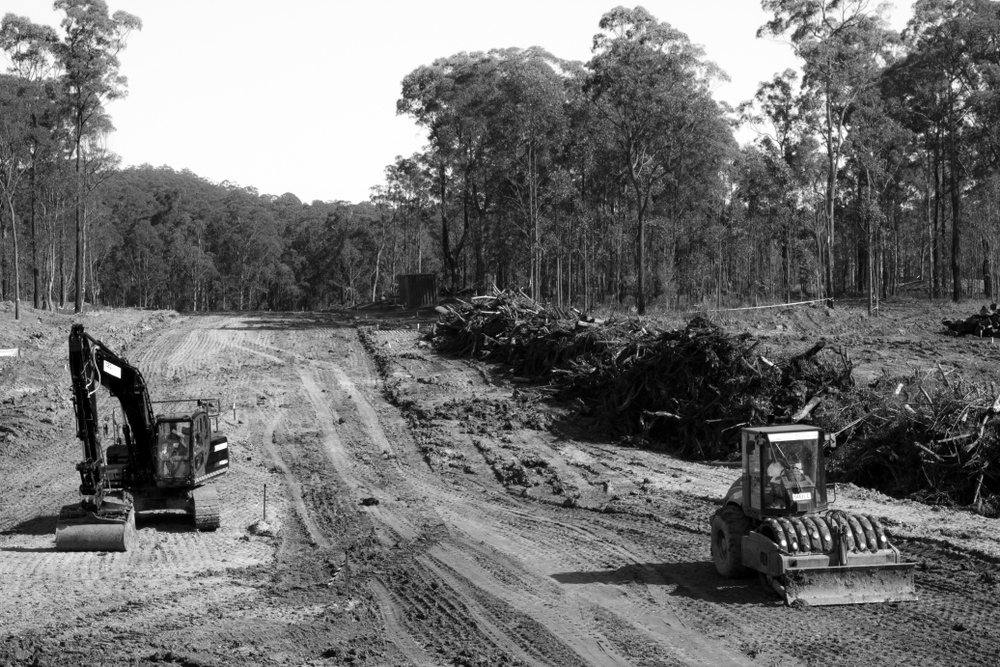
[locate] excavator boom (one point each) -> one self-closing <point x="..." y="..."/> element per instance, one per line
<point x="104" y="519"/>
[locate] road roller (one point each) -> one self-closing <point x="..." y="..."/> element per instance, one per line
<point x="776" y="521"/>
<point x="154" y="463"/>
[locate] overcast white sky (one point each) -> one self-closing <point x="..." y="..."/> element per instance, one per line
<point x="300" y="96"/>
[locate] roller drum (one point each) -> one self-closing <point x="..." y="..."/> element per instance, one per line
<point x="815" y="538"/>
<point x="793" y="540"/>
<point x="870" y="536"/>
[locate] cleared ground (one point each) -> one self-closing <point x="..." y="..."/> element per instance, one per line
<point x="429" y="514"/>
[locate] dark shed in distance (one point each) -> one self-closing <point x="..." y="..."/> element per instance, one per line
<point x="417" y="290"/>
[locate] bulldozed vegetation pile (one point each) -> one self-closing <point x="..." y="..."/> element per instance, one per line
<point x="935" y="440"/>
<point x="985" y="323"/>
<point x="689" y="390"/>
<point x="684" y="389"/>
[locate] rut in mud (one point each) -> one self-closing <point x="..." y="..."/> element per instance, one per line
<point x="425" y="513"/>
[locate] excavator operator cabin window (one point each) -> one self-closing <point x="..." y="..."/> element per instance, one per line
<point x="175" y="449"/>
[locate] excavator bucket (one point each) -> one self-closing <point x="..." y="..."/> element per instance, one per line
<point x="850" y="584"/>
<point x="82" y="530"/>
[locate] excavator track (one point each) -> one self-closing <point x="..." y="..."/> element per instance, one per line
<point x="206" y="507"/>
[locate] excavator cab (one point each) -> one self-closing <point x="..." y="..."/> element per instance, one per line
<point x="173" y="460"/>
<point x="189" y="451"/>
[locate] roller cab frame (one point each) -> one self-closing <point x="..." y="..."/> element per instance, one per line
<point x="776" y="520"/>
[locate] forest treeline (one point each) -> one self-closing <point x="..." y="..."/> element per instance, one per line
<point x="619" y="180"/>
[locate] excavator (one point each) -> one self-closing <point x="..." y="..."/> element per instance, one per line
<point x="776" y="521"/>
<point x="162" y="463"/>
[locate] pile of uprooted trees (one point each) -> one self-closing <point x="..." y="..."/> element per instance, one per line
<point x="687" y="389"/>
<point x="690" y="389"/>
<point x="985" y="323"/>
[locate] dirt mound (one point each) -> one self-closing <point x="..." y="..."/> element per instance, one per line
<point x="34" y="384"/>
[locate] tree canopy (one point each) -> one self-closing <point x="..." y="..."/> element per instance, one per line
<point x="615" y="182"/>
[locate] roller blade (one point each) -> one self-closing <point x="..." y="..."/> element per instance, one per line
<point x="852" y="584"/>
<point x="83" y="530"/>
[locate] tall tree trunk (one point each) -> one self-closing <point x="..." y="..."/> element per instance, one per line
<point x="987" y="272"/>
<point x="17" y="276"/>
<point x="831" y="192"/>
<point x="445" y="239"/>
<point x="34" y="238"/>
<point x="78" y="292"/>
<point x="938" y="225"/>
<point x="63" y="286"/>
<point x="928" y="213"/>
<point x="3" y="261"/>
<point x="956" y="225"/>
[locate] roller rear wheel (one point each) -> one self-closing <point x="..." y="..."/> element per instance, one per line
<point x="729" y="525"/>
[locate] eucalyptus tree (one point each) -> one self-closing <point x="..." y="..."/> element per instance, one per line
<point x="495" y="124"/>
<point x="650" y="84"/>
<point x="877" y="150"/>
<point x="784" y="117"/>
<point x="529" y="133"/>
<point x="943" y="91"/>
<point x="407" y="191"/>
<point x="841" y="44"/>
<point x="28" y="47"/>
<point x="581" y="176"/>
<point x="387" y="220"/>
<point x="403" y="205"/>
<point x="87" y="56"/>
<point x="451" y="98"/>
<point x="15" y="133"/>
<point x="247" y="239"/>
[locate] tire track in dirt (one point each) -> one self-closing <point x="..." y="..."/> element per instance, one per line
<point x="539" y="564"/>
<point x="292" y="485"/>
<point x="395" y="630"/>
<point x="467" y="590"/>
<point x="593" y="652"/>
<point x="165" y="548"/>
<point x="528" y="549"/>
<point x="952" y="623"/>
<point x="338" y="456"/>
<point x="464" y="606"/>
<point x="486" y="523"/>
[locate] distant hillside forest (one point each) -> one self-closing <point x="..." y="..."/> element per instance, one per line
<point x="612" y="182"/>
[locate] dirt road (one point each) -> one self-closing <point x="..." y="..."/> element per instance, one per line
<point x="422" y="513"/>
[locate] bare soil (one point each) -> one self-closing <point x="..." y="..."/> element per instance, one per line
<point x="422" y="510"/>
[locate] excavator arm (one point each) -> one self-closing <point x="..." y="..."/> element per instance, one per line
<point x="93" y="365"/>
<point x="104" y="519"/>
